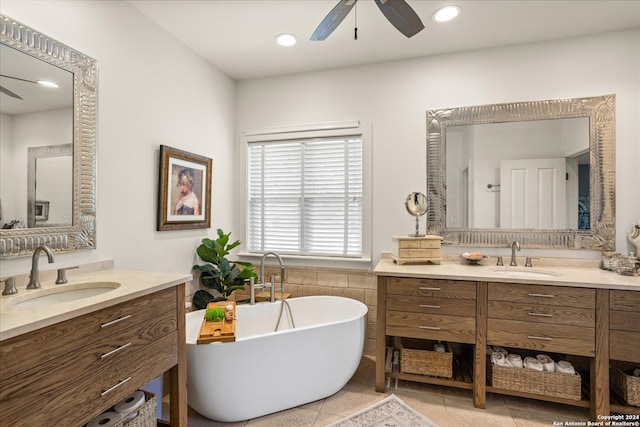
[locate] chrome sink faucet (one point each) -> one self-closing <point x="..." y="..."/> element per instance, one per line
<point x="515" y="245"/>
<point x="34" y="277"/>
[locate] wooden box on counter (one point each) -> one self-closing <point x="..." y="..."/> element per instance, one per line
<point x="416" y="250"/>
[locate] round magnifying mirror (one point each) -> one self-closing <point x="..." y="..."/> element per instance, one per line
<point x="416" y="205"/>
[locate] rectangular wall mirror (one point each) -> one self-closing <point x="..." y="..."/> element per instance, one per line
<point x="541" y="172"/>
<point x="47" y="143"/>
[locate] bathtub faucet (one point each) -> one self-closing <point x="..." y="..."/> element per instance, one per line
<point x="272" y="282"/>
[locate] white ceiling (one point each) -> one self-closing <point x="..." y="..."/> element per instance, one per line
<point x="237" y="36"/>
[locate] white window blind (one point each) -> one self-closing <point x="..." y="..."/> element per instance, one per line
<point x="305" y="196"/>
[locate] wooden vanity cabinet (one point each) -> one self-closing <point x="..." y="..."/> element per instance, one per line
<point x="70" y="372"/>
<point x="431" y="309"/>
<point x="624" y="326"/>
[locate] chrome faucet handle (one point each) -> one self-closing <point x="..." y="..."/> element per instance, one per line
<point x="272" y="288"/>
<point x="528" y="261"/>
<point x="62" y="275"/>
<point x="499" y="263"/>
<point x="9" y="286"/>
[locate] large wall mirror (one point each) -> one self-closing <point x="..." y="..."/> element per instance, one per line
<point x="541" y="173"/>
<point x="48" y="99"/>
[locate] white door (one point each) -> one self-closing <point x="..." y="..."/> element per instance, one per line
<point x="533" y="193"/>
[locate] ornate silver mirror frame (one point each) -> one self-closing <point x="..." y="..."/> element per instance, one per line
<point x="601" y="113"/>
<point x="82" y="233"/>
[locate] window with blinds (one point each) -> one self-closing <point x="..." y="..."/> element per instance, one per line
<point x="305" y="197"/>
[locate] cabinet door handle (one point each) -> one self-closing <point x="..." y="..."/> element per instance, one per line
<point x="429" y="306"/>
<point x="533" y="337"/>
<point x="425" y="288"/>
<point x="431" y="328"/>
<point x="541" y="295"/>
<point x="109" y="390"/>
<point x="113" y="322"/>
<point x="540" y="314"/>
<point x="114" y="351"/>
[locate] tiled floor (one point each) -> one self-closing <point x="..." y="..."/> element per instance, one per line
<point x="447" y="407"/>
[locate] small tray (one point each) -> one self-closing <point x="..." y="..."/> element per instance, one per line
<point x="473" y="258"/>
<point x="222" y="331"/>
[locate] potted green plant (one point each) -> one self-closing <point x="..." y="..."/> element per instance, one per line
<point x="219" y="273"/>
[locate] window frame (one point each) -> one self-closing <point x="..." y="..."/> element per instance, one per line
<point x="298" y="132"/>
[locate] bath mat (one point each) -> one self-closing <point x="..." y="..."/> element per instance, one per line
<point x="390" y="412"/>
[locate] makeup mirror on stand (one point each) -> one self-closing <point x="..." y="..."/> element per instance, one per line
<point x="416" y="205"/>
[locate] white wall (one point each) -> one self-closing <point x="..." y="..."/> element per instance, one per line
<point x="152" y="91"/>
<point x="394" y="97"/>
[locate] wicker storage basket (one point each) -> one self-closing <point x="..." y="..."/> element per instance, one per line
<point x="545" y="383"/>
<point x="146" y="414"/>
<point x="416" y="358"/>
<point x="627" y="386"/>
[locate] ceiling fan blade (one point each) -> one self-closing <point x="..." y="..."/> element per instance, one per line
<point x="401" y="16"/>
<point x="333" y="19"/>
<point x="8" y="92"/>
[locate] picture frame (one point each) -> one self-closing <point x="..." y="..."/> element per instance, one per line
<point x="41" y="210"/>
<point x="184" y="200"/>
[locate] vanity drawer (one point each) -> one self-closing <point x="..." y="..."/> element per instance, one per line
<point x="624" y="321"/>
<point x="47" y="394"/>
<point x="624" y="345"/>
<point x="418" y="304"/>
<point x="542" y="337"/>
<point x="539" y="313"/>
<point x="624" y="300"/>
<point x="431" y="288"/>
<point x="18" y="355"/>
<point x="542" y="294"/>
<point x="431" y="326"/>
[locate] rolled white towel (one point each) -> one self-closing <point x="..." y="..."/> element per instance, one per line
<point x="514" y="360"/>
<point x="636" y="372"/>
<point x="533" y="363"/>
<point x="565" y="367"/>
<point x="498" y="358"/>
<point x="547" y="362"/>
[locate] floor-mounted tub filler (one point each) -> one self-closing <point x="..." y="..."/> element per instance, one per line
<point x="266" y="371"/>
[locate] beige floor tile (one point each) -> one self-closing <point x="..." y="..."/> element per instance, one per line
<point x="296" y="417"/>
<point x="461" y="413"/>
<point x="568" y="412"/>
<point x="351" y="399"/>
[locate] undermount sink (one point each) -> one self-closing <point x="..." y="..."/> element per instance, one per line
<point x="525" y="273"/>
<point x="65" y="293"/>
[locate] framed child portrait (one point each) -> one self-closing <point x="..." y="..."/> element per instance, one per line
<point x="185" y="190"/>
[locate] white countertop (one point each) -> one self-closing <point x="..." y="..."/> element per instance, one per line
<point x="575" y="276"/>
<point x="16" y="320"/>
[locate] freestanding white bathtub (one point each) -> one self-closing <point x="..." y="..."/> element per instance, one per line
<point x="265" y="371"/>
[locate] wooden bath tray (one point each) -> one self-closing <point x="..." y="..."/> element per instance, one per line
<point x="222" y="331"/>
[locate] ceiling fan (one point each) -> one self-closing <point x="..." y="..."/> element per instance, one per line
<point x="398" y="12"/>
<point x="15" y="95"/>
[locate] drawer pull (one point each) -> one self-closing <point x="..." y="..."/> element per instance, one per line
<point x="114" y="387"/>
<point x="122" y="347"/>
<point x="113" y="322"/>
<point x="425" y="288"/>
<point x="541" y="295"/>
<point x="541" y="314"/>
<point x="533" y="337"/>
<point x="431" y="328"/>
<point x="429" y="306"/>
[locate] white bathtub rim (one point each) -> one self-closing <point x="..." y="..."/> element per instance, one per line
<point x="362" y="312"/>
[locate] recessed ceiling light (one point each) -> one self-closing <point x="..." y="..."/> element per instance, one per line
<point x="286" y="39"/>
<point x="446" y="13"/>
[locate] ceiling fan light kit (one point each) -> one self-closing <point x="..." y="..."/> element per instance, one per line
<point x="397" y="12"/>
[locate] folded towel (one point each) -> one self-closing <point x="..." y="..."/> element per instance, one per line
<point x="514" y="360"/>
<point x="533" y="363"/>
<point x="565" y="367"/>
<point x="498" y="358"/>
<point x="547" y="362"/>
